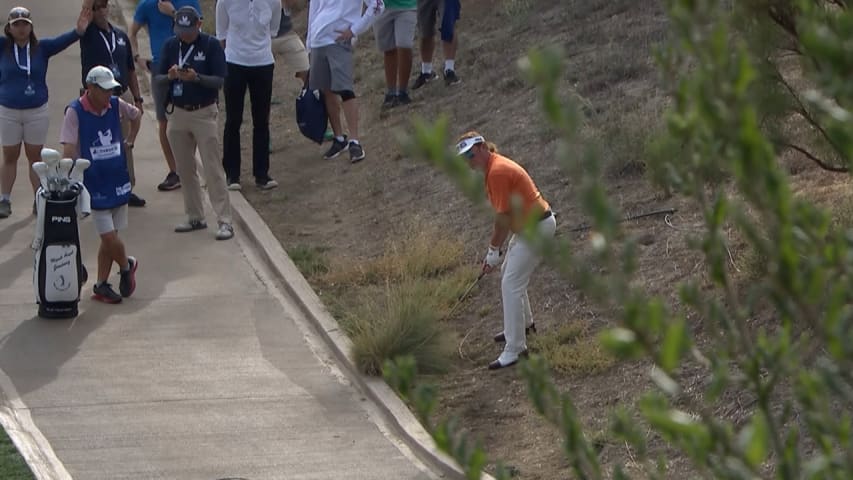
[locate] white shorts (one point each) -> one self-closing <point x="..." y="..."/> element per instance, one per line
<point x="110" y="220"/>
<point x="24" y="125"/>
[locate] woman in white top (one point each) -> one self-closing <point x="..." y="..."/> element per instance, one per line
<point x="246" y="28"/>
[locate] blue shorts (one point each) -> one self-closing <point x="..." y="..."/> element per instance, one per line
<point x="428" y="12"/>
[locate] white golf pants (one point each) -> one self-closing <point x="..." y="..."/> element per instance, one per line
<point x="520" y="262"/>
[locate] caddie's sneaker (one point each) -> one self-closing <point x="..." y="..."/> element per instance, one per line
<point x="423" y="79"/>
<point x="266" y="184"/>
<point x="5" y="208"/>
<point x="171" y="182"/>
<point x="127" y="283"/>
<point x="450" y="78"/>
<point x="190" y="226"/>
<point x="225" y="231"/>
<point x="103" y="292"/>
<point x="135" y="201"/>
<point x="356" y="152"/>
<point x="233" y="184"/>
<point x="336" y="148"/>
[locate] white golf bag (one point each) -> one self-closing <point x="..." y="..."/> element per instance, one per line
<point x="58" y="271"/>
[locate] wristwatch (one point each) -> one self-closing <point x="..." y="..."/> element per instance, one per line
<point x="138" y="99"/>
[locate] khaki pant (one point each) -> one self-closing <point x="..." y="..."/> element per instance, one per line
<point x="188" y="131"/>
<point x="125" y="131"/>
<point x="519" y="263"/>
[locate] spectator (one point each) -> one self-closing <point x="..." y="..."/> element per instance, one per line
<point x="289" y="47"/>
<point x="92" y="130"/>
<point x="157" y="16"/>
<point x="395" y="37"/>
<point x="428" y="11"/>
<point x="192" y="66"/>
<point x="246" y="28"/>
<point x="23" y="94"/>
<point x="104" y="44"/>
<point x="517" y="203"/>
<point x="332" y="28"/>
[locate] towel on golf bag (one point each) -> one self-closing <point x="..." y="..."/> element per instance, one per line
<point x="311" y="116"/>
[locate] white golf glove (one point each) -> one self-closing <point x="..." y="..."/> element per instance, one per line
<point x="493" y="257"/>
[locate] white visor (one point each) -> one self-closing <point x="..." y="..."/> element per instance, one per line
<point x="468" y="143"/>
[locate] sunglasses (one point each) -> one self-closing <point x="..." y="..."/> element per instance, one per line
<point x="469" y="154"/>
<point x="100" y="6"/>
<point x="19" y="13"/>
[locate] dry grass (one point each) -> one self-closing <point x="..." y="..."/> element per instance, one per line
<point x="393" y="305"/>
<point x="403" y="321"/>
<point x="418" y="251"/>
<point x="311" y="261"/>
<point x="572" y="349"/>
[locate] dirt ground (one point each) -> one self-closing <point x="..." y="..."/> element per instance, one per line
<point x="350" y="210"/>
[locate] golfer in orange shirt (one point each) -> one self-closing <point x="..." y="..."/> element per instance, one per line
<point x="517" y="202"/>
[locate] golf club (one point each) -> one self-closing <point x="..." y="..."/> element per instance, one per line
<point x="80" y="166"/>
<point x="465" y="294"/>
<point x="41" y="169"/>
<point x="51" y="158"/>
<point x="65" y="166"/>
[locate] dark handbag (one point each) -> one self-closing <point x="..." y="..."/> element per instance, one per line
<point x="311" y="116"/>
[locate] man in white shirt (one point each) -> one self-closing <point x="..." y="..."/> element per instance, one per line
<point x="246" y="28"/>
<point x="332" y="28"/>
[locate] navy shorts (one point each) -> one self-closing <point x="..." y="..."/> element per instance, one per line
<point x="428" y="12"/>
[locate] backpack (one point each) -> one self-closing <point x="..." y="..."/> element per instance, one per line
<point x="311" y="116"/>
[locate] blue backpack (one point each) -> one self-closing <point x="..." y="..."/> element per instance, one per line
<point x="311" y="116"/>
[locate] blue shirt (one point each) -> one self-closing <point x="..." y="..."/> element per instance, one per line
<point x="14" y="81"/>
<point x="206" y="58"/>
<point x="159" y="24"/>
<point x="100" y="142"/>
<point x="95" y="49"/>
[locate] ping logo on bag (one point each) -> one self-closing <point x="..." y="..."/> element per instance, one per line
<point x="55" y="219"/>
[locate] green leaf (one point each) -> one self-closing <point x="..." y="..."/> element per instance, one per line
<point x="753" y="440"/>
<point x="675" y="344"/>
<point x="621" y="342"/>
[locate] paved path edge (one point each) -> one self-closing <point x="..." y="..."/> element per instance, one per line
<point x="396" y="413"/>
<point x="394" y="410"/>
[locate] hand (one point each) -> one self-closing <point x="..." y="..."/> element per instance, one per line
<point x="173" y="73"/>
<point x="138" y="102"/>
<point x="345" y="35"/>
<point x="493" y="258"/>
<point x="128" y="144"/>
<point x="187" y="75"/>
<point x="84" y="19"/>
<point x="166" y="8"/>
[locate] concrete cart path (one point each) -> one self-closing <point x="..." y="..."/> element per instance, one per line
<point x="207" y="372"/>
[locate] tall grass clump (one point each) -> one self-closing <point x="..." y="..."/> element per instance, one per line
<point x="404" y="320"/>
<point x="397" y="302"/>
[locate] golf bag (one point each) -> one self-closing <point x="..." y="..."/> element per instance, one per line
<point x="58" y="271"/>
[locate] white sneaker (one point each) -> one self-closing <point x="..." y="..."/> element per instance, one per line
<point x="225" y="232"/>
<point x="234" y="187"/>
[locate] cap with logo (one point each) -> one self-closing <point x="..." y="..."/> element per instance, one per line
<point x="19" y="14"/>
<point x="186" y="20"/>
<point x="102" y="77"/>
<point x="467" y="143"/>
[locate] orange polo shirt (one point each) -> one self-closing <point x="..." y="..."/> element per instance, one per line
<point x="512" y="191"/>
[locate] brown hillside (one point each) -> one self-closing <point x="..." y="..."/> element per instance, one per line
<point x="351" y="211"/>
